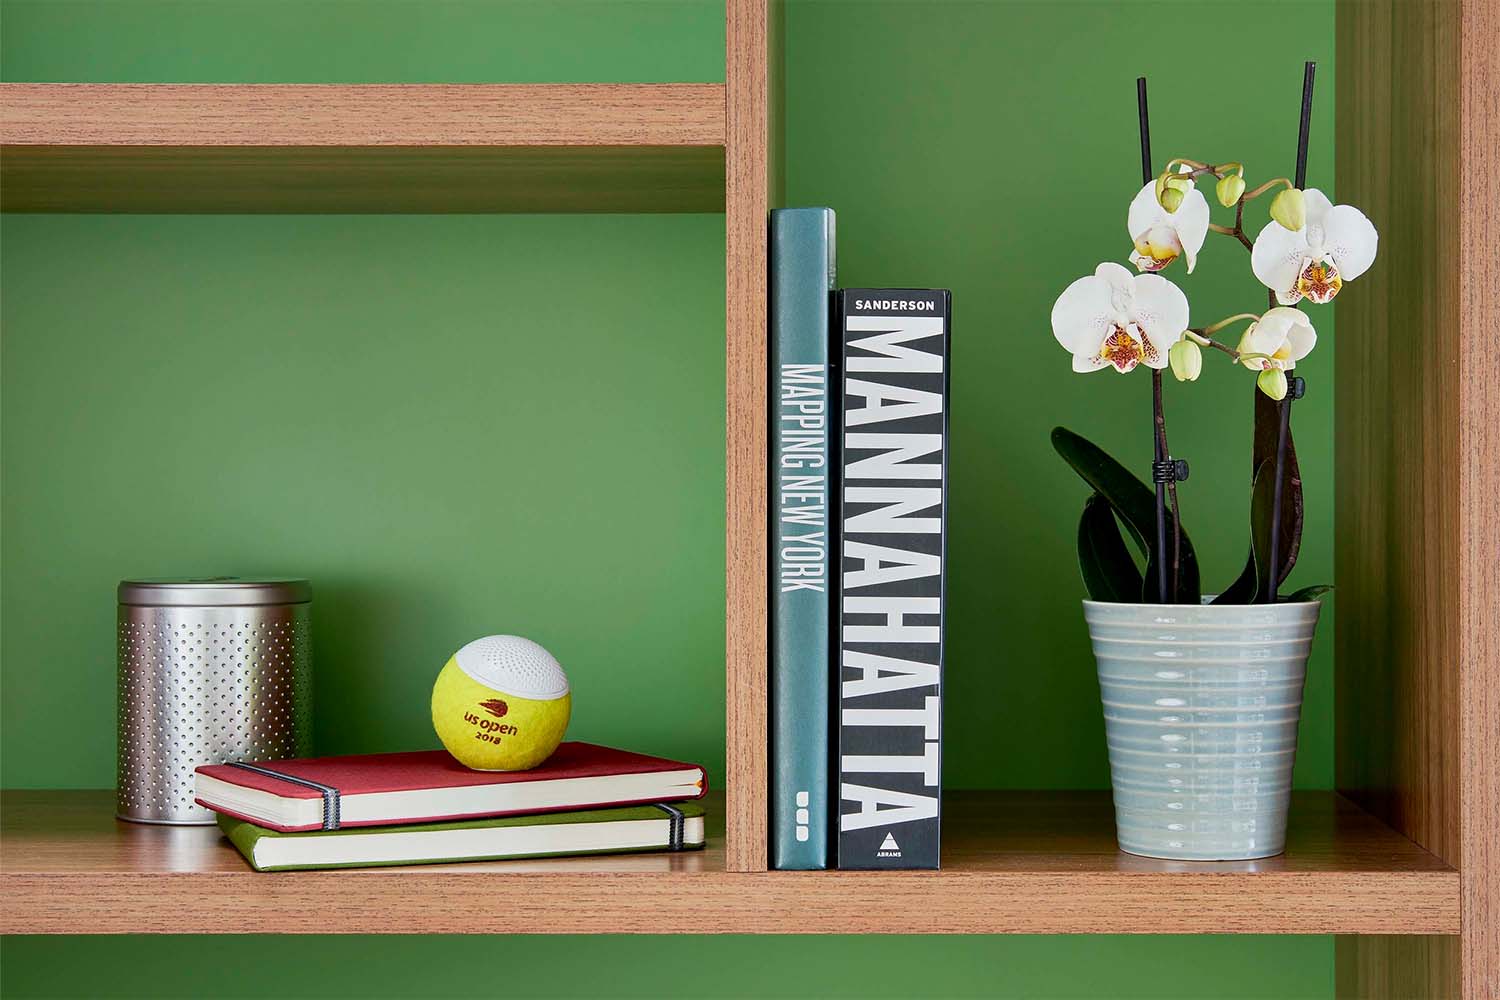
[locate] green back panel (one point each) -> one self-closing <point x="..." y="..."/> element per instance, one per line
<point x="434" y="419"/>
<point x="992" y="148"/>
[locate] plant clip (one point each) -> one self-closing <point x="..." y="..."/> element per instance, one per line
<point x="1172" y="470"/>
<point x="1295" y="389"/>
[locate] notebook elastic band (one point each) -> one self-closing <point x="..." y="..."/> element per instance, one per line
<point x="674" y="836"/>
<point x="330" y="794"/>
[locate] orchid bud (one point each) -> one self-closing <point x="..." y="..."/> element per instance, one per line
<point x="1290" y="209"/>
<point x="1186" y="358"/>
<point x="1171" y="189"/>
<point x="1229" y="189"/>
<point x="1272" y="382"/>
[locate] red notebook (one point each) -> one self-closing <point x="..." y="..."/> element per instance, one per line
<point x="385" y="789"/>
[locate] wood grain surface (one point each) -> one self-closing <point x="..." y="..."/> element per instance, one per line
<point x="278" y="114"/>
<point x="1417" y="481"/>
<point x="1024" y="862"/>
<point x="1478" y="253"/>
<point x="362" y="148"/>
<point x="749" y="73"/>
<point x="1412" y="967"/>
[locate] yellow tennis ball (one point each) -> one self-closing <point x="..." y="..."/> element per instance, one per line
<point x="501" y="704"/>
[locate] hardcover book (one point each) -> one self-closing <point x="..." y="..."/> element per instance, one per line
<point x="892" y="513"/>
<point x="327" y="793"/>
<point x="658" y="827"/>
<point x="801" y="278"/>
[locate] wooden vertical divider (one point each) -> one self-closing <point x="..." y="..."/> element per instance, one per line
<point x="752" y="74"/>
<point x="1477" y="256"/>
<point x="1417" y="480"/>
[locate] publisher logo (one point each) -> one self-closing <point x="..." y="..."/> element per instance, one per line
<point x="495" y="707"/>
<point x="888" y="847"/>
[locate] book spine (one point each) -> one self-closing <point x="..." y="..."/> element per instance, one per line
<point x="244" y="836"/>
<point x="892" y="516"/>
<point x="801" y="279"/>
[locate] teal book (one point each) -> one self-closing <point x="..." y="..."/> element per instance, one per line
<point x="675" y="826"/>
<point x="801" y="280"/>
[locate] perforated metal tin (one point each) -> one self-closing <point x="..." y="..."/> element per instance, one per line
<point x="210" y="671"/>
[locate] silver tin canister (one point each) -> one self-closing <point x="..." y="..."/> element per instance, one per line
<point x="210" y="670"/>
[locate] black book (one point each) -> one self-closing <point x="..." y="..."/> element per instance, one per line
<point x="893" y="367"/>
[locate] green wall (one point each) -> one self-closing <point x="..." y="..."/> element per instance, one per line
<point x="561" y="968"/>
<point x="468" y="424"/>
<point x="453" y="426"/>
<point x="992" y="148"/>
<point x="363" y="41"/>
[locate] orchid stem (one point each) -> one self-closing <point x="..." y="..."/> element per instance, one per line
<point x="1206" y="342"/>
<point x="1268" y="185"/>
<point x="1238" y="232"/>
<point x="1202" y="338"/>
<point x="1185" y="162"/>
<point x="1221" y="324"/>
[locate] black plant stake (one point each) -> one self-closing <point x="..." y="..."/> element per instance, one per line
<point x="1295" y="386"/>
<point x="1164" y="472"/>
<point x="1308" y="70"/>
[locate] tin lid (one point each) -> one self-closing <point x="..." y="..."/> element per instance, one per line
<point x="214" y="591"/>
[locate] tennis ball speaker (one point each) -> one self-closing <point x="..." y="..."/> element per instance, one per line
<point x="501" y="704"/>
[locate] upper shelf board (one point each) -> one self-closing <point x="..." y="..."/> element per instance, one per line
<point x="1028" y="862"/>
<point x="361" y="148"/>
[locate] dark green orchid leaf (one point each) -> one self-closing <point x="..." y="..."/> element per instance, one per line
<point x="1312" y="593"/>
<point x="1267" y="427"/>
<point x="1262" y="499"/>
<point x="1135" y="504"/>
<point x="1109" y="571"/>
<point x="1242" y="590"/>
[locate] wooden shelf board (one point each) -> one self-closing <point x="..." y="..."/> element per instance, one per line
<point x="1027" y="862"/>
<point x="362" y="148"/>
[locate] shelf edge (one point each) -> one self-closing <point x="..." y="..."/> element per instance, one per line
<point x="341" y="115"/>
<point x="380" y="902"/>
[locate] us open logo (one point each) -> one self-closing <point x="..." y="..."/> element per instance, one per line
<point x="489" y="731"/>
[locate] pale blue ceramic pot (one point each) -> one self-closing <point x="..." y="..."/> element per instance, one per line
<point x="1201" y="705"/>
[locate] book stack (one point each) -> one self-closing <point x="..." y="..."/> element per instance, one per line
<point x="426" y="808"/>
<point x="858" y="482"/>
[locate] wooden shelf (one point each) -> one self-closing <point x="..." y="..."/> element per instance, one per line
<point x="362" y="148"/>
<point x="1025" y="862"/>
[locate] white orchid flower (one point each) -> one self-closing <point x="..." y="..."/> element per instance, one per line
<point x="1283" y="334"/>
<point x="1337" y="244"/>
<point x="1161" y="236"/>
<point x="1115" y="318"/>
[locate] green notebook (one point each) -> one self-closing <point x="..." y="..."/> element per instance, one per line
<point x="667" y="827"/>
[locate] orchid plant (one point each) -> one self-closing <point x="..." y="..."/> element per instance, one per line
<point x="1305" y="252"/>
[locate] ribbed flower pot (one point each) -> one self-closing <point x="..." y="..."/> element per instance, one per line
<point x="1200" y="712"/>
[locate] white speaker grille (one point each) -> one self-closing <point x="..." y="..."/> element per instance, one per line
<point x="514" y="665"/>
